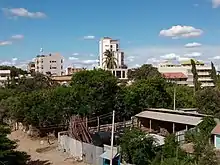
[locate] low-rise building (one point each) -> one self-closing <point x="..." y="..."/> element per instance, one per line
<point x="182" y="73"/>
<point x="5" y="76"/>
<point x="72" y="70"/>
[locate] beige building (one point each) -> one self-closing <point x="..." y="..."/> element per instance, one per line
<point x="182" y="74"/>
<point x="49" y="64"/>
<point x="72" y="70"/>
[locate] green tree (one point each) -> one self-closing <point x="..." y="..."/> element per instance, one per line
<point x="137" y="147"/>
<point x="144" y="72"/>
<point x="208" y="101"/>
<point x="195" y="76"/>
<point x="213" y="73"/>
<point x="184" y="96"/>
<point x="95" y="91"/>
<point x="8" y="154"/>
<point x="109" y="60"/>
<point x="146" y="94"/>
<point x="38" y="82"/>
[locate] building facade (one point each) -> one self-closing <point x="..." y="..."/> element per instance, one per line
<point x="5" y="76"/>
<point x="182" y="73"/>
<point x="31" y="67"/>
<point x="107" y="43"/>
<point x="72" y="70"/>
<point x="50" y="64"/>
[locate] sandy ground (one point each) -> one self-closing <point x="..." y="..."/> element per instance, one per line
<point x="50" y="157"/>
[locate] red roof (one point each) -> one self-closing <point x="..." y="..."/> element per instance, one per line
<point x="216" y="130"/>
<point x="174" y="75"/>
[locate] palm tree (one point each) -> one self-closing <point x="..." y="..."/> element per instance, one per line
<point x="109" y="60"/>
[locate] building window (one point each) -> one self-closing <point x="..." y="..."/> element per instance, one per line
<point x="54" y="67"/>
<point x="123" y="74"/>
<point x="61" y="67"/>
<point x="118" y="74"/>
<point x="61" y="60"/>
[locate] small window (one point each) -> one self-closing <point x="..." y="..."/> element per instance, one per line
<point x="61" y="66"/>
<point x="118" y="74"/>
<point x="61" y="60"/>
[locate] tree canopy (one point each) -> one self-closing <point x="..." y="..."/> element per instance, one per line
<point x="144" y="72"/>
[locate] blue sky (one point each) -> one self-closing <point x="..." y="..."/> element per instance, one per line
<point x="149" y="30"/>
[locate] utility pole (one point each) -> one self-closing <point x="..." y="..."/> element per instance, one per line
<point x="112" y="137"/>
<point x="174" y="98"/>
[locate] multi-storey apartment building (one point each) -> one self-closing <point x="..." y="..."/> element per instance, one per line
<point x="106" y="43"/>
<point x="49" y="64"/>
<point x="182" y="73"/>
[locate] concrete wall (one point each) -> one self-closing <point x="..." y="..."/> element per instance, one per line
<point x="89" y="153"/>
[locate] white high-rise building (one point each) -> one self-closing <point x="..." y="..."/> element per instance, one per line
<point x="107" y="43"/>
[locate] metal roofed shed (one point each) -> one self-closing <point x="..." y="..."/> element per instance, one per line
<point x="182" y="118"/>
<point x="165" y="121"/>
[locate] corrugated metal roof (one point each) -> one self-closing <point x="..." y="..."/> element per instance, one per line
<point x="216" y="130"/>
<point x="171" y="117"/>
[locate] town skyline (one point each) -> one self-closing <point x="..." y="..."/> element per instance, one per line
<point x="179" y="31"/>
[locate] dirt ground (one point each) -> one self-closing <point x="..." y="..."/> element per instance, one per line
<point x="48" y="156"/>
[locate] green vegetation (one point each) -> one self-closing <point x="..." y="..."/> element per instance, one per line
<point x="39" y="102"/>
<point x="109" y="59"/>
<point x="8" y="155"/>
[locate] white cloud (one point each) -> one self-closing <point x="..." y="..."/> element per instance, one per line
<point x="73" y="58"/>
<point x="215" y="58"/>
<point x="75" y="54"/>
<point x="193" y="54"/>
<point x="14" y="59"/>
<point x="89" y="37"/>
<point x="170" y="56"/>
<point x="196" y="5"/>
<point x="22" y="12"/>
<point x="130" y="58"/>
<point x="89" y="62"/>
<point x="154" y="54"/>
<point x="193" y="45"/>
<point x="8" y="63"/>
<point x="179" y="31"/>
<point x="17" y="37"/>
<point x="215" y="3"/>
<point x="4" y="43"/>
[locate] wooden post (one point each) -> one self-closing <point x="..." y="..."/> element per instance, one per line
<point x="150" y="125"/>
<point x="173" y="127"/>
<point x="98" y="127"/>
<point x="86" y="122"/>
